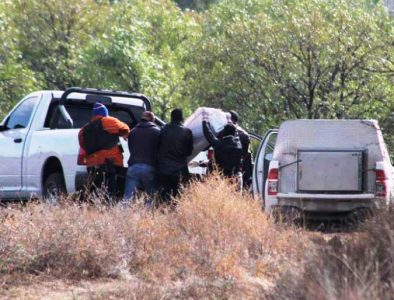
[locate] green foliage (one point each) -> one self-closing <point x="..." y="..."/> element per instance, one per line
<point x="274" y="60"/>
<point x="141" y="50"/>
<point x="270" y="60"/>
<point x="215" y="77"/>
<point x="16" y="79"/>
<point x="49" y="32"/>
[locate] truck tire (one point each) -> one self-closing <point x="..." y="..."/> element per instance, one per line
<point x="54" y="185"/>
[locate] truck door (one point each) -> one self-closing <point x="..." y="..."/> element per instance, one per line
<point x="13" y="133"/>
<point x="263" y="158"/>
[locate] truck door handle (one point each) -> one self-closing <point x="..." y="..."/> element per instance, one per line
<point x="17" y="140"/>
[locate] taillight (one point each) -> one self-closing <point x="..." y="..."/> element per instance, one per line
<point x="210" y="154"/>
<point x="81" y="157"/>
<point x="380" y="175"/>
<point x="380" y="184"/>
<point x="272" y="181"/>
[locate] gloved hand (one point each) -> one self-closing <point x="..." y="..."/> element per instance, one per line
<point x="228" y="116"/>
<point x="205" y="115"/>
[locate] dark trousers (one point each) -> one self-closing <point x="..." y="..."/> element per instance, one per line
<point x="107" y="177"/>
<point x="247" y="171"/>
<point x="170" y="184"/>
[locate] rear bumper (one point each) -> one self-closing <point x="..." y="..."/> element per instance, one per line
<point x="297" y="214"/>
<point x="324" y="203"/>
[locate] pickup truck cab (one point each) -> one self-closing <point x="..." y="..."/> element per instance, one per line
<point x="324" y="168"/>
<point x="39" y="139"/>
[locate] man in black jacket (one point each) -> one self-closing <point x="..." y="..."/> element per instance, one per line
<point x="228" y="149"/>
<point x="143" y="144"/>
<point x="242" y="134"/>
<point x="247" y="164"/>
<point x="176" y="144"/>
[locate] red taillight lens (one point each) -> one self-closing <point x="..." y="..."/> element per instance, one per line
<point x="380" y="185"/>
<point x="81" y="157"/>
<point x="273" y="174"/>
<point x="380" y="175"/>
<point x="272" y="182"/>
<point x="210" y="154"/>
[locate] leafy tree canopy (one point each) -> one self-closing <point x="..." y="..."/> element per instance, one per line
<point x="141" y="50"/>
<point x="49" y="32"/>
<point x="16" y="78"/>
<point x="270" y="60"/>
<point x="274" y="60"/>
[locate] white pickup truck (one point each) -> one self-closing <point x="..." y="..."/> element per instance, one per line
<point x="39" y="150"/>
<point x="324" y="168"/>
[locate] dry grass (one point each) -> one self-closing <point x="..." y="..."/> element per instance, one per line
<point x="353" y="266"/>
<point x="214" y="244"/>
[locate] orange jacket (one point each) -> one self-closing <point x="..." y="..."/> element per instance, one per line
<point x="111" y="125"/>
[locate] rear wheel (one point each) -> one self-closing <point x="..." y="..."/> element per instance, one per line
<point x="54" y="186"/>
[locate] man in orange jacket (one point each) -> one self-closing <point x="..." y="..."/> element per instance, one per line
<point x="100" y="140"/>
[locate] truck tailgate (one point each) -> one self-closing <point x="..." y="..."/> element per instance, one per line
<point x="330" y="171"/>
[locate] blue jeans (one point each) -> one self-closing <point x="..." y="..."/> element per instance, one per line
<point x="140" y="176"/>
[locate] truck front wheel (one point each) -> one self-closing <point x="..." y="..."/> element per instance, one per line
<point x="54" y="186"/>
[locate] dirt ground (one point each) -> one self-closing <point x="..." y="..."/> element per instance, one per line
<point x="52" y="289"/>
<point x="132" y="288"/>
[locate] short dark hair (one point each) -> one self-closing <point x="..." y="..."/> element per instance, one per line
<point x="148" y="116"/>
<point x="234" y="116"/>
<point x="229" y="129"/>
<point x="177" y="115"/>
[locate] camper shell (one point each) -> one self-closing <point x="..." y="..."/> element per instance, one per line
<point x="324" y="167"/>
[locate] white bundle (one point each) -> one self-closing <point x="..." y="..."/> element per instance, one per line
<point x="216" y="117"/>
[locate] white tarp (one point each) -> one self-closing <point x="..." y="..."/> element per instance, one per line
<point x="216" y="117"/>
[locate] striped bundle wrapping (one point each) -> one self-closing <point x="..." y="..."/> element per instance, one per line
<point x="217" y="118"/>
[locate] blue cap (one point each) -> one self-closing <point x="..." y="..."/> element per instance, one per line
<point x="99" y="109"/>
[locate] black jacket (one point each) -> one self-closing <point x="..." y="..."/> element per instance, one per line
<point x="96" y="138"/>
<point x="143" y="143"/>
<point x="176" y="144"/>
<point x="243" y="138"/>
<point x="228" y="151"/>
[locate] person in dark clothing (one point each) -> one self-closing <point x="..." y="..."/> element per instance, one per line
<point x="246" y="164"/>
<point x="242" y="134"/>
<point x="228" y="149"/>
<point x="143" y="144"/>
<point x="176" y="144"/>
